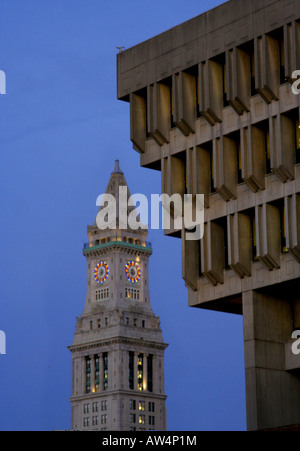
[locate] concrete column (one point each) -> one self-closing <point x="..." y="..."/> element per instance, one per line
<point x="272" y="393"/>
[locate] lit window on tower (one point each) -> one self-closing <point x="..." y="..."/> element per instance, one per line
<point x="142" y="419"/>
<point x="140" y="372"/>
<point x="97" y="373"/>
<point x="141" y="405"/>
<point x="105" y="371"/>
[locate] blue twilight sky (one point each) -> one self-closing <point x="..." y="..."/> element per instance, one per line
<point x="61" y="129"/>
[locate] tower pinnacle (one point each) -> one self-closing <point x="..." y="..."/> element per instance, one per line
<point x="117" y="168"/>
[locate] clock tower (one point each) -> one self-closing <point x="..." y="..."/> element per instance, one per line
<point x="118" y="348"/>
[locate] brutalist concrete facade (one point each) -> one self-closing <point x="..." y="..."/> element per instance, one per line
<point x="211" y="107"/>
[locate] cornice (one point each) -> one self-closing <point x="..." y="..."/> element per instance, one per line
<point x="118" y="340"/>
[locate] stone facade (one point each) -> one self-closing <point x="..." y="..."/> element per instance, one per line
<point x="211" y="107"/>
<point x="118" y="348"/>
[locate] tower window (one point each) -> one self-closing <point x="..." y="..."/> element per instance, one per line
<point x="103" y="405"/>
<point x="131" y="293"/>
<point x="95" y="420"/>
<point x="105" y="370"/>
<point x="141" y="405"/>
<point x="97" y="373"/>
<point x="151" y="420"/>
<point x="132" y="404"/>
<point x="132" y="418"/>
<point x="140" y="372"/>
<point x="104" y="419"/>
<point x="131" y="369"/>
<point x="95" y="407"/>
<point x="150" y="373"/>
<point x="87" y="375"/>
<point x="102" y="294"/>
<point x="86" y="421"/>
<point x="151" y="406"/>
<point x="141" y="419"/>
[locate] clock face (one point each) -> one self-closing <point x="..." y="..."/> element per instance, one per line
<point x="133" y="272"/>
<point x="101" y="272"/>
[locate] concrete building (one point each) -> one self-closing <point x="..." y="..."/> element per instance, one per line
<point x="118" y="348"/>
<point x="211" y="107"/>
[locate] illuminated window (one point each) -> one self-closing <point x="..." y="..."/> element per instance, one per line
<point x="140" y="372"/>
<point x="141" y="419"/>
<point x="105" y="371"/>
<point x="131" y="293"/>
<point x="97" y="373"/>
<point x="141" y="405"/>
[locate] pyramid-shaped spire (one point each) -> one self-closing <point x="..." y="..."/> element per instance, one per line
<point x="117" y="180"/>
<point x="117" y="169"/>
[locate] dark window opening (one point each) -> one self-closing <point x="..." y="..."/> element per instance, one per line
<point x="150" y="372"/>
<point x="131" y="370"/>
